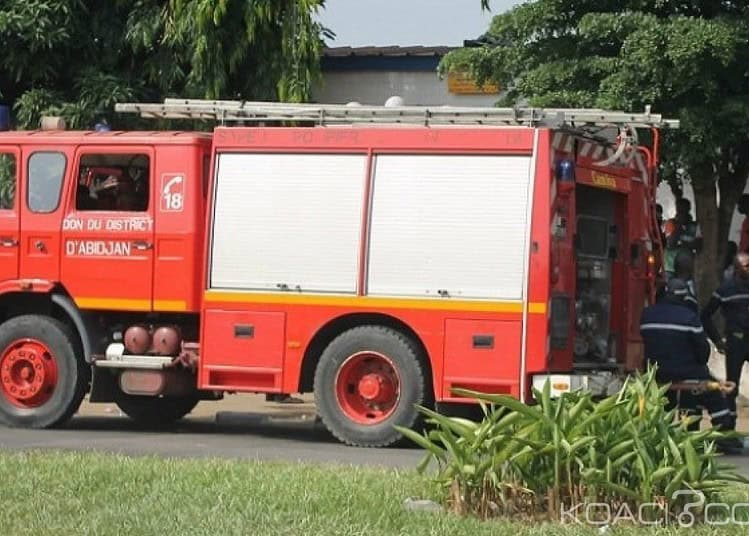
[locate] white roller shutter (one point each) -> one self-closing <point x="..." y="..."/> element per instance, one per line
<point x="453" y="222"/>
<point x="288" y="219"/>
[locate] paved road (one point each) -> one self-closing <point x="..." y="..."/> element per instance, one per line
<point x="246" y="436"/>
<point x="287" y="434"/>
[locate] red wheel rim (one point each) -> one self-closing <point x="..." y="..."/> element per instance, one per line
<point x="368" y="388"/>
<point x="28" y="373"/>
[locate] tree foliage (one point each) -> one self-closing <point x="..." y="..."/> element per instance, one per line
<point x="688" y="58"/>
<point x="78" y="57"/>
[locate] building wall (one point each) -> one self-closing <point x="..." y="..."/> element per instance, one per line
<point x="375" y="87"/>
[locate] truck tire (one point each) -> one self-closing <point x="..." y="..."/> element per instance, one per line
<point x="151" y="411"/>
<point x="42" y="382"/>
<point x="368" y="380"/>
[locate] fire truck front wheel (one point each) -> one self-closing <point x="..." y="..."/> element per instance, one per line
<point x="367" y="381"/>
<point x="42" y="382"/>
<point x="153" y="411"/>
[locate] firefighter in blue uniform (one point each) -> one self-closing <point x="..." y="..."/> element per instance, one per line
<point x="732" y="298"/>
<point x="684" y="266"/>
<point x="675" y="340"/>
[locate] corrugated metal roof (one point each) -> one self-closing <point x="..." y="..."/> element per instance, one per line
<point x="389" y="51"/>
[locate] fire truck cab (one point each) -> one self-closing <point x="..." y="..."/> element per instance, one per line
<point x="379" y="259"/>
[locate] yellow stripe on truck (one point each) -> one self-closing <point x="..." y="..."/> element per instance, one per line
<point x="174" y="306"/>
<point x="113" y="304"/>
<point x="123" y="304"/>
<point x="372" y="302"/>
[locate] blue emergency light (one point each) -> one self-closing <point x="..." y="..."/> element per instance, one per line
<point x="565" y="170"/>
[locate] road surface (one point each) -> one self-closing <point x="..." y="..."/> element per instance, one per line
<point x="242" y="427"/>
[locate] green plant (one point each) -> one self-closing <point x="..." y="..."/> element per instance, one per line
<point x="625" y="450"/>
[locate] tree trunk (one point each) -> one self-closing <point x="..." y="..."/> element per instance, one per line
<point x="731" y="187"/>
<point x="715" y="222"/>
<point x="707" y="262"/>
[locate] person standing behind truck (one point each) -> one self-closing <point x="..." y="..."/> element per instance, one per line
<point x="683" y="234"/>
<point x="659" y="221"/>
<point x="732" y="298"/>
<point x="743" y="208"/>
<point x="684" y="271"/>
<point x="726" y="270"/>
<point x="675" y="341"/>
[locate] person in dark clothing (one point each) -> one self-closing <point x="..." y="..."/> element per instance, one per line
<point x="726" y="271"/>
<point x="684" y="267"/>
<point x="743" y="208"/>
<point x="732" y="298"/>
<point x="683" y="234"/>
<point x="676" y="342"/>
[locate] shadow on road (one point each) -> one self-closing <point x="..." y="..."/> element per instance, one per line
<point x="228" y="423"/>
<point x="258" y="425"/>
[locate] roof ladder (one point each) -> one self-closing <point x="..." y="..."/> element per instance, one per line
<point x="243" y="112"/>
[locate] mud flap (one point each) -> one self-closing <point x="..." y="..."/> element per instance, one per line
<point x="103" y="385"/>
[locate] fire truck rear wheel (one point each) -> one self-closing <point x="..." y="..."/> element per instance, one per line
<point x="368" y="380"/>
<point x="154" y="411"/>
<point x="42" y="382"/>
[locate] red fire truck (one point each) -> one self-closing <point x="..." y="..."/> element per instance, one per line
<point x="378" y="257"/>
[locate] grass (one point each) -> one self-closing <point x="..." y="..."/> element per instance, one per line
<point x="84" y="493"/>
<point x="623" y="453"/>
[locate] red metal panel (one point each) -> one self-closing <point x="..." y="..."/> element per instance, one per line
<point x="107" y="255"/>
<point x="421" y="139"/>
<point x="621" y="287"/>
<point x="78" y="137"/>
<point x="242" y="350"/>
<point x="637" y="212"/>
<point x="562" y="268"/>
<point x="10" y="226"/>
<point x="40" y="246"/>
<point x="617" y="179"/>
<point x="481" y="355"/>
<point x="539" y="291"/>
<point x="179" y="218"/>
<point x="305" y="320"/>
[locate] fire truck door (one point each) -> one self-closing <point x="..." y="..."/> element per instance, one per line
<point x="9" y="221"/>
<point x="108" y="229"/>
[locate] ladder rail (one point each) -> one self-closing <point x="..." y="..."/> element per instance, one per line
<point x="226" y="111"/>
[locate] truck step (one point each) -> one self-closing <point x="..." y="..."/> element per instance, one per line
<point x="115" y="358"/>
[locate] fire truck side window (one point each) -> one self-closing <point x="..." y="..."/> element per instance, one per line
<point x="113" y="182"/>
<point x="7" y="181"/>
<point x="46" y="172"/>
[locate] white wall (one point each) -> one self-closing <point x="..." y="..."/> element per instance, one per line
<point x="375" y="87"/>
